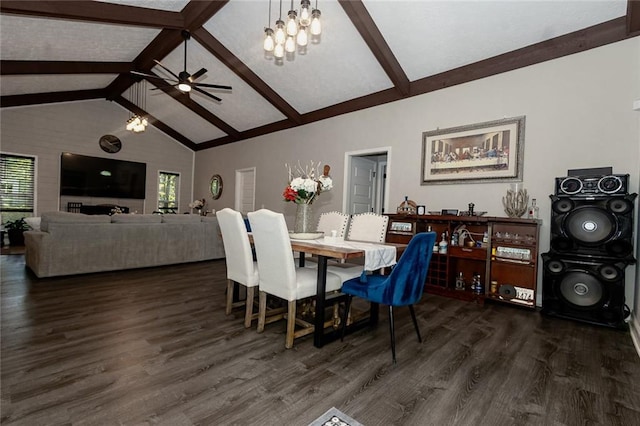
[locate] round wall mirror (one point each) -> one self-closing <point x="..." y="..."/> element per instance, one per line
<point x="216" y="186"/>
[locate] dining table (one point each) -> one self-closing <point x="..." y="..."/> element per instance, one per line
<point x="327" y="248"/>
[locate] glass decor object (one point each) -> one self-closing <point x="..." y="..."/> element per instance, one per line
<point x="516" y="201"/>
<point x="303" y="223"/>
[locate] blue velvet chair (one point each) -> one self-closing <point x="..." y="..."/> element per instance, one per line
<point x="403" y="287"/>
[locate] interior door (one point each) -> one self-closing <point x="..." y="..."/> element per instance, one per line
<point x="362" y="194"/>
<point x="245" y="190"/>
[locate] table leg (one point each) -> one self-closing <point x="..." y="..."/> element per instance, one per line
<point x="318" y="332"/>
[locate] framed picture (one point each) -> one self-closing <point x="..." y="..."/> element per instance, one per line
<point x="484" y="152"/>
<point x="421" y="210"/>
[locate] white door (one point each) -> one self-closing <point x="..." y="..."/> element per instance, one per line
<point x="245" y="190"/>
<point x="362" y="180"/>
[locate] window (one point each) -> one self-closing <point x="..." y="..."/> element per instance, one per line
<point x="168" y="192"/>
<point x="17" y="183"/>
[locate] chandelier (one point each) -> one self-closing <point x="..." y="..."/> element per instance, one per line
<point x="293" y="35"/>
<point x="137" y="95"/>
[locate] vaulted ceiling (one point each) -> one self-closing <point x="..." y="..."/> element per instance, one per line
<point x="370" y="52"/>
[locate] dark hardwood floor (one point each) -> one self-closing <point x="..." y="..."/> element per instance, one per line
<point x="154" y="346"/>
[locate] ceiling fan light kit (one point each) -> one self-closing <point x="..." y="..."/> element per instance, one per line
<point x="294" y="35"/>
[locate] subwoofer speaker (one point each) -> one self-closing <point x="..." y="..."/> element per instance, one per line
<point x="585" y="290"/>
<point x="596" y="226"/>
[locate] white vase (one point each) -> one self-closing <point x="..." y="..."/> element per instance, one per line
<point x="303" y="222"/>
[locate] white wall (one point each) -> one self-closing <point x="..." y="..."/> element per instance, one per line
<point x="48" y="130"/>
<point x="578" y="114"/>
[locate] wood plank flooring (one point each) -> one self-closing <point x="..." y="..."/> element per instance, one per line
<point x="154" y="347"/>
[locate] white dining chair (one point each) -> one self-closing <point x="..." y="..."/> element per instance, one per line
<point x="333" y="221"/>
<point x="241" y="268"/>
<point x="369" y="227"/>
<point x="278" y="274"/>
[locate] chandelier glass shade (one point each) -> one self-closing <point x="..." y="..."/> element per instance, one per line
<point x="285" y="38"/>
<point x="137" y="95"/>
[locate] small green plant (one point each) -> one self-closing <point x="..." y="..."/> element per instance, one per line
<point x="16" y="225"/>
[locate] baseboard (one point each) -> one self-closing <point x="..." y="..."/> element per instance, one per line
<point x="635" y="331"/>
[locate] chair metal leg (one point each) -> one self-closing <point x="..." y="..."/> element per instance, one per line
<point x="393" y="334"/>
<point x="345" y="315"/>
<point x="415" y="322"/>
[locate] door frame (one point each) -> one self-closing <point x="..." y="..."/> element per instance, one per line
<point x="346" y="189"/>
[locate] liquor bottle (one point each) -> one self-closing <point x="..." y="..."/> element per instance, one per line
<point x="442" y="245"/>
<point x="534" y="210"/>
<point x="460" y="282"/>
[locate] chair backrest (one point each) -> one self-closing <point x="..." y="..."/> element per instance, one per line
<point x="368" y="227"/>
<point x="333" y="221"/>
<point x="406" y="281"/>
<point x="237" y="248"/>
<point x="276" y="265"/>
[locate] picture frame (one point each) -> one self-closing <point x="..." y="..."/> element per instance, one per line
<point x="421" y="210"/>
<point x="492" y="151"/>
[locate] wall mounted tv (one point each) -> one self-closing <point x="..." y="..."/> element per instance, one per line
<point x="85" y="176"/>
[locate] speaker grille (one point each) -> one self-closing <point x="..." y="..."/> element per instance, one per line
<point x="590" y="225"/>
<point x="581" y="289"/>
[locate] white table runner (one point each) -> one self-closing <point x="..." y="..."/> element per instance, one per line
<point x="376" y="255"/>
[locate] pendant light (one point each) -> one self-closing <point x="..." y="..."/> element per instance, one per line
<point x="292" y="36"/>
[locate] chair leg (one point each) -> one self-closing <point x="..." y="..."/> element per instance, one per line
<point x="248" y="312"/>
<point x="347" y="306"/>
<point x="393" y="334"/>
<point x="291" y="324"/>
<point x="415" y="322"/>
<point x="262" y="311"/>
<point x="230" y="284"/>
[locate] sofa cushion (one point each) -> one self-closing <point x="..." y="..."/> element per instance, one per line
<point x="33" y="222"/>
<point x="209" y="219"/>
<point x="136" y="218"/>
<point x="66" y="217"/>
<point x="181" y="218"/>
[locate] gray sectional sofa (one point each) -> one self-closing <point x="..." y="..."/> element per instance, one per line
<point x="74" y="243"/>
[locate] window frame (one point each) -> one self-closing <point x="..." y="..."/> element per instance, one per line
<point x="168" y="209"/>
<point x="29" y="211"/>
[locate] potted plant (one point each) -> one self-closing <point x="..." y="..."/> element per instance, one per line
<point x="14" y="229"/>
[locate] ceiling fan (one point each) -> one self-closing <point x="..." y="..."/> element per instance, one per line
<point x="184" y="81"/>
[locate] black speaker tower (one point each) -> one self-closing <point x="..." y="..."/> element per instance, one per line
<point x="591" y="246"/>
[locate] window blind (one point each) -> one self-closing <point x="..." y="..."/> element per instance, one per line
<point x="17" y="183"/>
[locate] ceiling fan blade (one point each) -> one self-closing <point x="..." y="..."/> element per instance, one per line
<point x="196" y="75"/>
<point x="166" y="69"/>
<point x="160" y="88"/>
<point x="197" y="89"/>
<point x="213" y="86"/>
<point x="151" y="76"/>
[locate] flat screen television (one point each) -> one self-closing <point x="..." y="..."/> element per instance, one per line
<point x="85" y="176"/>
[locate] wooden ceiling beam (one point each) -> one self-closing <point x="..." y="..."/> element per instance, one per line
<point x="197" y="12"/>
<point x="51" y="97"/>
<point x="362" y="20"/>
<point x="578" y="41"/>
<point x="96" y="12"/>
<point x="62" y="67"/>
<point x="241" y="70"/>
<point x="155" y="122"/>
<point x="633" y="17"/>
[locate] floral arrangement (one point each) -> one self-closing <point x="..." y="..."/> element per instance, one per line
<point x="306" y="183"/>
<point x="198" y="204"/>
